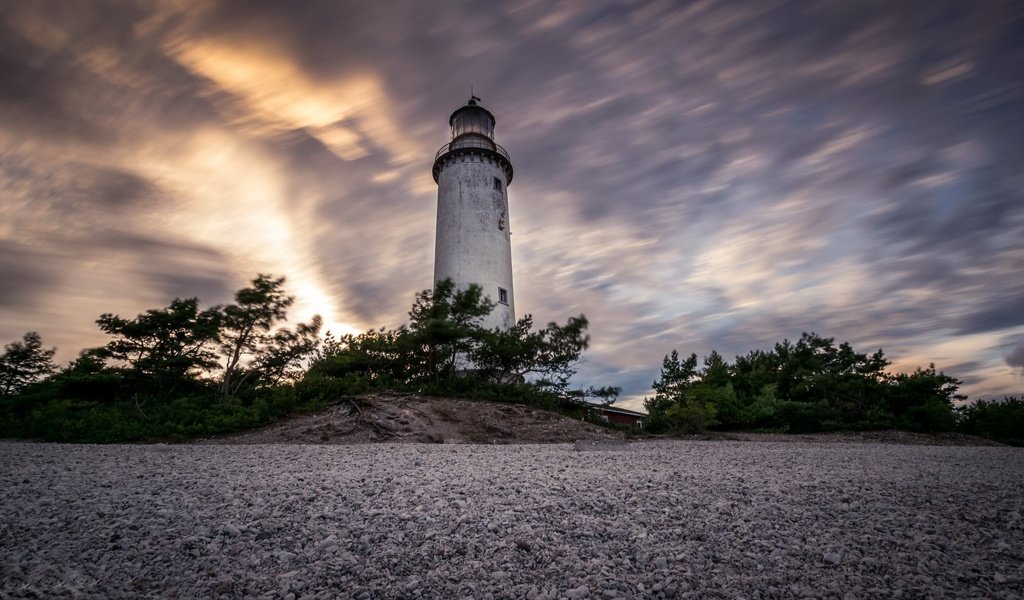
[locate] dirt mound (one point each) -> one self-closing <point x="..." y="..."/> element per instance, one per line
<point x="420" y="419"/>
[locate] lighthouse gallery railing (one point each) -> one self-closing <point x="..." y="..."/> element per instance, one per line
<point x="463" y="144"/>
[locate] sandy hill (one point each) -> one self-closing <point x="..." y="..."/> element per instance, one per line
<point x="413" y="418"/>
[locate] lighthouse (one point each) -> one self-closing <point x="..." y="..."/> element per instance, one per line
<point x="473" y="243"/>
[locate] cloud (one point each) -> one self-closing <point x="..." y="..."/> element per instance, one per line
<point x="25" y="275"/>
<point x="1016" y="358"/>
<point x="720" y="175"/>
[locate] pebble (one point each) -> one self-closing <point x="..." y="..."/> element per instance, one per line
<point x="692" y="520"/>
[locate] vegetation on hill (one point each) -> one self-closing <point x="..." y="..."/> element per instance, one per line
<point x="444" y="351"/>
<point x="181" y="372"/>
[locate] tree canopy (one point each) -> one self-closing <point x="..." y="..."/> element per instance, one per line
<point x="23" y="363"/>
<point x="810" y="385"/>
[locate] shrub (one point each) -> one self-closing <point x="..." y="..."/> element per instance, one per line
<point x="1002" y="421"/>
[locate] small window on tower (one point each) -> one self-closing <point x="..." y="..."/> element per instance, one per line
<point x="503" y="295"/>
<point x="497" y="184"/>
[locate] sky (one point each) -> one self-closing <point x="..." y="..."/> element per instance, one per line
<point x="689" y="175"/>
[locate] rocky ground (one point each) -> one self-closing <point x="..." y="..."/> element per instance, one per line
<point x="679" y="519"/>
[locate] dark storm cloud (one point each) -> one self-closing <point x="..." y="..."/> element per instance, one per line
<point x="176" y="268"/>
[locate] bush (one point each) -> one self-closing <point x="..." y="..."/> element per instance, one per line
<point x="1002" y="421"/>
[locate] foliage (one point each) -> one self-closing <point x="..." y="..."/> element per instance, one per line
<point x="158" y="375"/>
<point x="162" y="372"/>
<point x="548" y="356"/>
<point x="372" y="359"/>
<point x="1000" y="420"/>
<point x="680" y="406"/>
<point x="23" y="363"/>
<point x="605" y="395"/>
<point x="163" y="349"/>
<point x="810" y="385"/>
<point x="444" y="327"/>
<point x="184" y="417"/>
<point x="246" y="327"/>
<point x="281" y="359"/>
<point x="445" y="350"/>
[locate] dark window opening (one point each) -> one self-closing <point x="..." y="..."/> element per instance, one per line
<point x="503" y="295"/>
<point x="497" y="184"/>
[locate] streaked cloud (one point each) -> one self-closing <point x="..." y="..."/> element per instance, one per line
<point x="703" y="175"/>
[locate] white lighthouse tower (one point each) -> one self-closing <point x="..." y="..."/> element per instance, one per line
<point x="473" y="242"/>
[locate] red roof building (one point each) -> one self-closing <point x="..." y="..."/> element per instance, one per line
<point x="621" y="416"/>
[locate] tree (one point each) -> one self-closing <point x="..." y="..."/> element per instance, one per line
<point x="508" y="355"/>
<point x="1001" y="420"/>
<point x="515" y="354"/>
<point x="163" y="346"/>
<point x="444" y="327"/>
<point x="246" y="327"/>
<point x="676" y="377"/>
<point x="375" y="356"/>
<point x="717" y="372"/>
<point x="445" y="346"/>
<point x="23" y="363"/>
<point x="560" y="353"/>
<point x="282" y="359"/>
<point x="679" y="404"/>
<point x="924" y="400"/>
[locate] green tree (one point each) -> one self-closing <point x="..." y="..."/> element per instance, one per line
<point x="1000" y="420"/>
<point x="444" y="327"/>
<point x="716" y="372"/>
<point x="560" y="352"/>
<point x="282" y="360"/>
<point x="548" y="357"/>
<point x="681" y="403"/>
<point x="246" y="329"/>
<point x="23" y="363"/>
<point x="374" y="358"/>
<point x="924" y="400"/>
<point x="676" y="378"/>
<point x="165" y="347"/>
<point x="446" y="348"/>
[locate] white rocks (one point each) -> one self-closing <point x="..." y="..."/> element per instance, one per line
<point x="678" y="519"/>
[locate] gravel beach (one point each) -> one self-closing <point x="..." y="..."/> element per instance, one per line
<point x="684" y="519"/>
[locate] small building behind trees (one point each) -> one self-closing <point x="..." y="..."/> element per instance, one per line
<point x="621" y="416"/>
